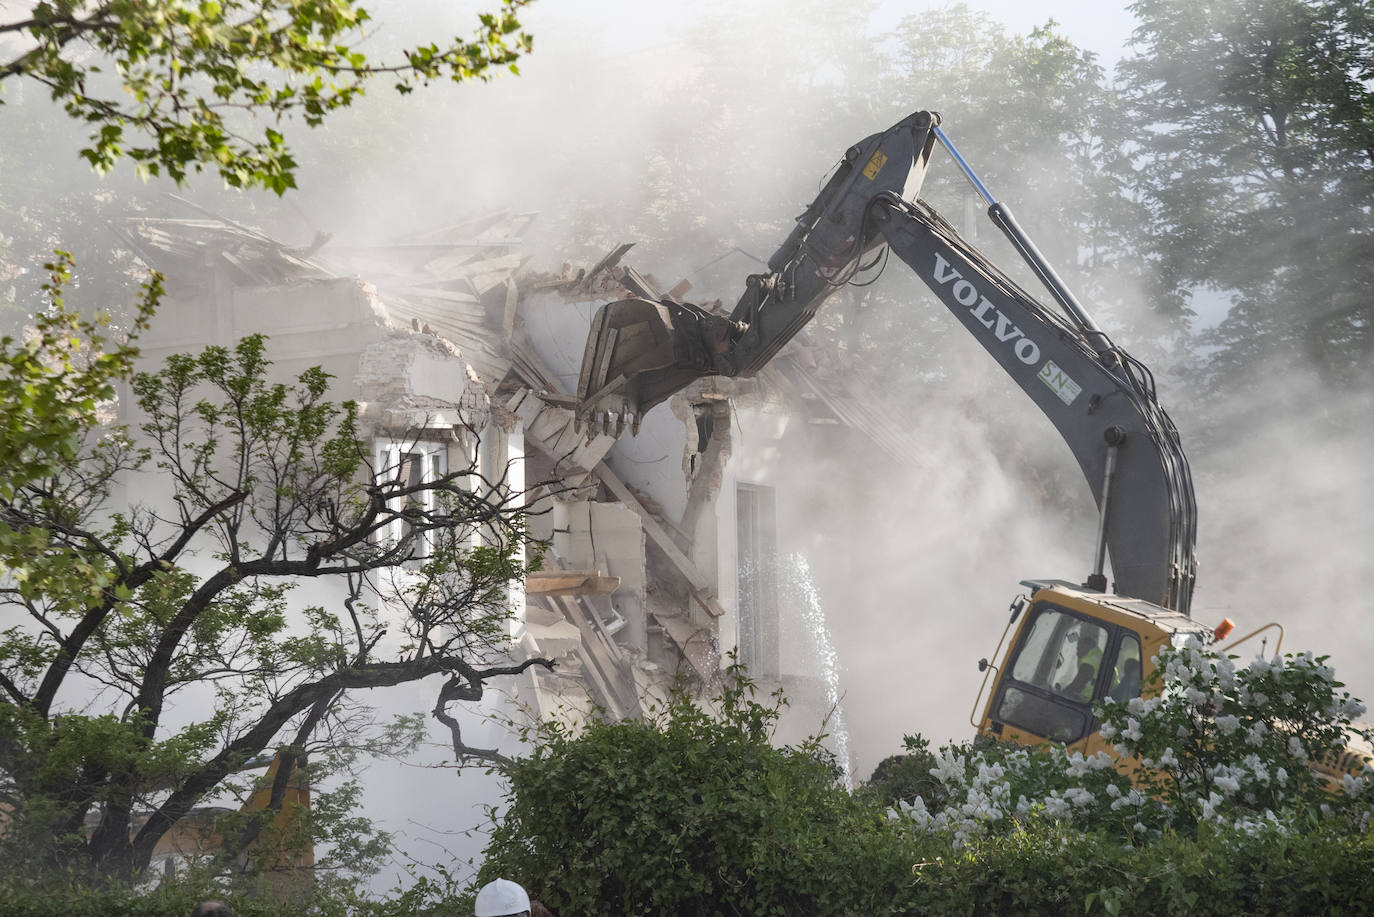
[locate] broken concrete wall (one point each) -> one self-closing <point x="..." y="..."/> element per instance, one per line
<point x="649" y="462"/>
<point x="609" y="538"/>
<point x="318" y="322"/>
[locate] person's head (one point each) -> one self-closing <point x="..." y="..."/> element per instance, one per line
<point x="211" y="909"/>
<point x="501" y="898"/>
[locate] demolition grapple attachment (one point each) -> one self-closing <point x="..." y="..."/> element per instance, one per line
<point x="638" y="354"/>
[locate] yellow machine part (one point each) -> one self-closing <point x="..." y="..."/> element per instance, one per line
<point x="295" y="802"/>
<point x="1126" y="632"/>
<point x="1074" y="609"/>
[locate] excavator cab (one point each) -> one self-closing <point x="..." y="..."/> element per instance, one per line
<point x="1073" y="648"/>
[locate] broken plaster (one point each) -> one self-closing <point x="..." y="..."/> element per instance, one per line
<point x="409" y="380"/>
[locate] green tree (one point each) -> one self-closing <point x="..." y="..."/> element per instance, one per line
<point x="175" y="85"/>
<point x="1037" y="118"/>
<point x="124" y="618"/>
<point x="181" y="87"/>
<point x="1256" y="145"/>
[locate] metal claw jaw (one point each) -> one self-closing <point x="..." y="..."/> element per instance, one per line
<point x="634" y="359"/>
<point x="608" y="416"/>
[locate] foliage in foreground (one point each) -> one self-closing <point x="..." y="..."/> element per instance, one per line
<point x="684" y="812"/>
<point x="152" y="649"/>
<point x="1038" y="869"/>
<point x="181" y="77"/>
<point x="1220" y="749"/>
<point x="689" y="814"/>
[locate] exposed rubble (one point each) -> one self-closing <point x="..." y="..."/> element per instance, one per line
<point x="446" y="333"/>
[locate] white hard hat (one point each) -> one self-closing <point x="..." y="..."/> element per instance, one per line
<point x="499" y="898"/>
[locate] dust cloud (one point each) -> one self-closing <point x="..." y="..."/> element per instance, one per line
<point x="696" y="130"/>
<point x="709" y="131"/>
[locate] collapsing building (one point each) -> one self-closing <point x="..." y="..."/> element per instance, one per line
<point x="663" y="550"/>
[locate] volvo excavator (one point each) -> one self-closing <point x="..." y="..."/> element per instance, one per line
<point x="1076" y="644"/>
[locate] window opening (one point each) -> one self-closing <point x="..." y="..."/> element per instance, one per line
<point x="756" y="578"/>
<point x="1126" y="669"/>
<point x="414" y="464"/>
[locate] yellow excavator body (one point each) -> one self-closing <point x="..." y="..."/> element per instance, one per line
<point x="1072" y="648"/>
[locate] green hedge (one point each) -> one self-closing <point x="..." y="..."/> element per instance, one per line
<point x="1053" y="871"/>
<point x="1042" y="870"/>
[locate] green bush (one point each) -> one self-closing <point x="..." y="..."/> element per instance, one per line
<point x="1050" y="868"/>
<point x="686" y="813"/>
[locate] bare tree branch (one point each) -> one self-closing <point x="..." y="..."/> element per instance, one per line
<point x="468" y="685"/>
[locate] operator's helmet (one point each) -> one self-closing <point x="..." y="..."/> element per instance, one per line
<point x="500" y="898"/>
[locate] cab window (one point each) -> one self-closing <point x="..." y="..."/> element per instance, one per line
<point x="1062" y="653"/>
<point x="1126" y="669"/>
<point x="1054" y="676"/>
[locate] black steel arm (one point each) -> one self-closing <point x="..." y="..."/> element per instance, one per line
<point x="1101" y="400"/>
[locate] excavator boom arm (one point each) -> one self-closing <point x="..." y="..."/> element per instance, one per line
<point x="1100" y="399"/>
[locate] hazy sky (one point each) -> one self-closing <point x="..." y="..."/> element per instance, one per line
<point x="1103" y="28"/>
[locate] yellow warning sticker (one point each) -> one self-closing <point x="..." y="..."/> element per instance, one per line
<point x="875" y="165"/>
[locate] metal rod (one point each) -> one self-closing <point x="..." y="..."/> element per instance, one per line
<point x="1100" y="558"/>
<point x="1002" y="216"/>
<point x="959" y="161"/>
<point x="1115" y="436"/>
<point x="1278" y="645"/>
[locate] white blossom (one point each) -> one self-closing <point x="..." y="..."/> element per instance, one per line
<point x="1255" y="735"/>
<point x="1078" y="796"/>
<point x="1226" y="783"/>
<point x="1228" y="724"/>
<point x="1256" y="767"/>
<point x="916" y="811"/>
<point x="948" y="769"/>
<point x="1055" y="806"/>
<point x="1226" y="673"/>
<point x="1140" y="706"/>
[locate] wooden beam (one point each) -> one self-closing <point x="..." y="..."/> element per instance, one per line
<point x="695" y="643"/>
<point x="570" y="582"/>
<point x="701" y="587"/>
<point x="603" y="660"/>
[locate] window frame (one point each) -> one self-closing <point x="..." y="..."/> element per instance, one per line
<point x="1101" y="681"/>
<point x="391" y="455"/>
<point x="757" y="623"/>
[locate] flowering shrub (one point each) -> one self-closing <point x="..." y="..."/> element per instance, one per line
<point x="1232" y="749"/>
